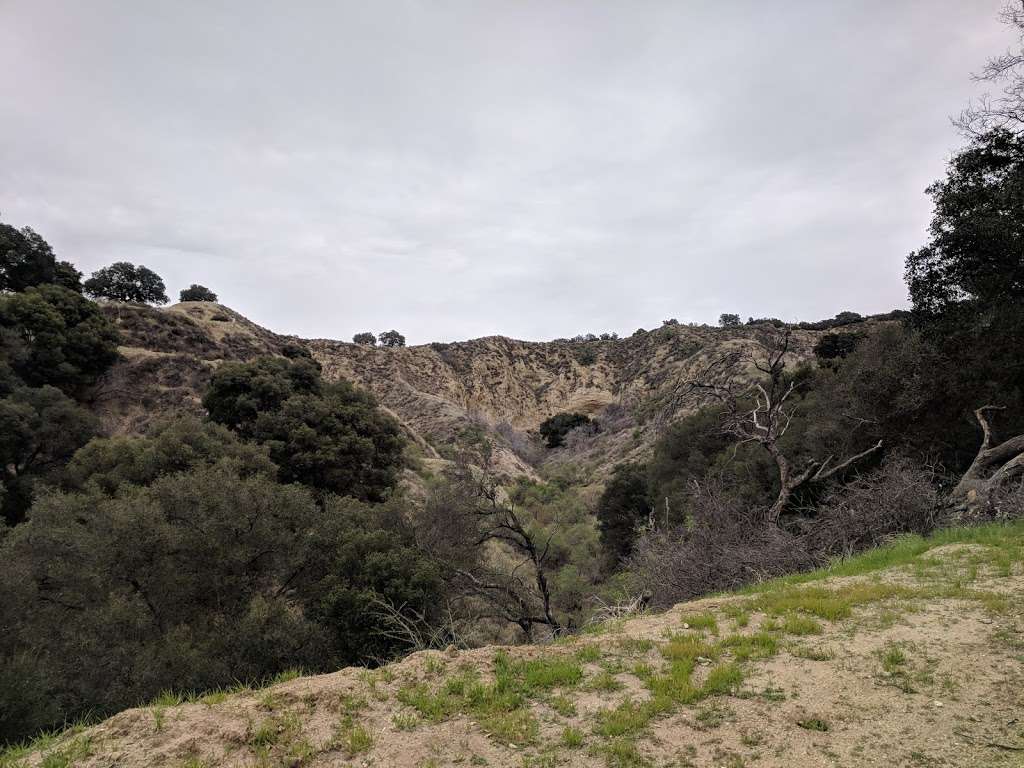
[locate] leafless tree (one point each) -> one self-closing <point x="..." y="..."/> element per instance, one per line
<point x="754" y="394"/>
<point x="993" y="467"/>
<point x="1007" y="109"/>
<point x="470" y="511"/>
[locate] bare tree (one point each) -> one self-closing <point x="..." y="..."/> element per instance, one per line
<point x="466" y="514"/>
<point x="754" y="393"/>
<point x="993" y="467"/>
<point x="1006" y="110"/>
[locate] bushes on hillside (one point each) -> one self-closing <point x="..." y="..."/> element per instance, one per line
<point x="177" y="561"/>
<point x="329" y="436"/>
<point x="555" y="428"/>
<point x="196" y="292"/>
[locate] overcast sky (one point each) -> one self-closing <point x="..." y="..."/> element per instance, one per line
<point x="457" y="169"/>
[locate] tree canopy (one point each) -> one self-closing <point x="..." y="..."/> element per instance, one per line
<point x="329" y="436"/>
<point x="123" y="281"/>
<point x="196" y="292"/>
<point x="27" y="260"/>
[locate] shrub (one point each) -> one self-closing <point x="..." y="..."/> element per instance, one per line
<point x="555" y="428"/>
<point x="836" y="345"/>
<point x="329" y="436"/>
<point x="51" y="335"/>
<point x="197" y="292"/>
<point x="725" y="546"/>
<point x="898" y="497"/>
<point x="366" y="338"/>
<point x="623" y="508"/>
<point x="727" y="320"/>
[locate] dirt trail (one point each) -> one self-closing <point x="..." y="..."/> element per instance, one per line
<point x="918" y="665"/>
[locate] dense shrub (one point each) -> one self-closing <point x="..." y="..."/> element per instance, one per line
<point x="555" y="428"/>
<point x="51" y="335"/>
<point x="392" y="339"/>
<point x="181" y="564"/>
<point x="365" y="338"/>
<point x="329" y="436"/>
<point x="624" y="507"/>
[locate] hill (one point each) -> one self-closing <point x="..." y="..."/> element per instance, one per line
<point x="908" y="655"/>
<point x="440" y="393"/>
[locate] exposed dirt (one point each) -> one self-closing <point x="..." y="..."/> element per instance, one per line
<point x="933" y="676"/>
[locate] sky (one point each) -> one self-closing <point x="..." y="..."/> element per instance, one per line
<point x="462" y="168"/>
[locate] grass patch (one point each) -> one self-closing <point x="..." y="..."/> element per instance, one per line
<point x="351" y="737"/>
<point x="680" y="647"/>
<point x="795" y="624"/>
<point x="760" y="645"/>
<point x="572" y="738"/>
<point x="589" y="654"/>
<point x="701" y="621"/>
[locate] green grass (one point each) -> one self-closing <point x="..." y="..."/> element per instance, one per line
<point x="351" y="738"/>
<point x="589" y="654"/>
<point x="759" y="645"/>
<point x="572" y="738"/>
<point x="704" y="620"/>
<point x="813" y="724"/>
<point x="795" y="624"/>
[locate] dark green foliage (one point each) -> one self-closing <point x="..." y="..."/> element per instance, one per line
<point x="727" y="320"/>
<point x="174" y="445"/>
<point x="51" y="335"/>
<point x="240" y="392"/>
<point x="330" y="437"/>
<point x="967" y="283"/>
<point x="624" y="506"/>
<point x="197" y="292"/>
<point x="366" y="338"/>
<point x="554" y="429"/>
<point x="836" y="345"/>
<point x="27" y="260"/>
<point x="180" y="564"/>
<point x="123" y="281"/>
<point x="392" y="339"/>
<point x="40" y="428"/>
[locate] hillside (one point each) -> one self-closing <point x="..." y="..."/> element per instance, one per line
<point x="911" y="655"/>
<point x="437" y="391"/>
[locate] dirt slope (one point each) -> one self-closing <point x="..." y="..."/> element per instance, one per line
<point x="918" y="664"/>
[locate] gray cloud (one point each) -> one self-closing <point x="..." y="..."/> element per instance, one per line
<point x="455" y="169"/>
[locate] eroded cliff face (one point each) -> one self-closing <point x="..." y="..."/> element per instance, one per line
<point x="441" y="393"/>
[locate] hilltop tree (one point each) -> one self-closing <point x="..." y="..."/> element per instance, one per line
<point x="727" y="320"/>
<point x="366" y="338"/>
<point x="27" y="260"/>
<point x="392" y="339"/>
<point x="196" y="292"/>
<point x="123" y="281"/>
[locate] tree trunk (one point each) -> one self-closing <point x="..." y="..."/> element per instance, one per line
<point x="991" y="469"/>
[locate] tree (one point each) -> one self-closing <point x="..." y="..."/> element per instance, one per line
<point x="392" y="339"/>
<point x="27" y="260"/>
<point x="331" y="437"/>
<point x="623" y="508"/>
<point x="757" y="411"/>
<point x="197" y="292"/>
<point x="1006" y="111"/>
<point x="833" y="346"/>
<point x="465" y="515"/>
<point x="40" y="429"/>
<point x="727" y="320"/>
<point x="995" y="465"/>
<point x="366" y="338"/>
<point x="198" y="580"/>
<point x="555" y="428"/>
<point x="125" y="282"/>
<point x="51" y="335"/>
